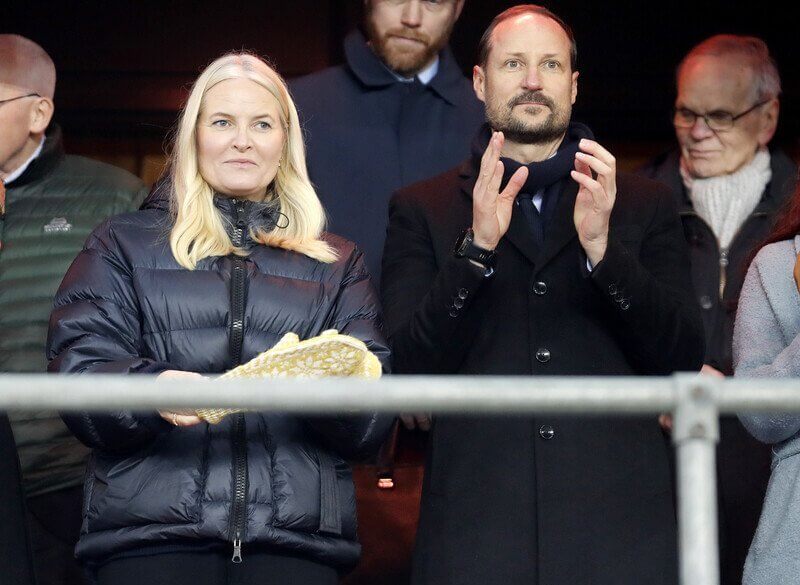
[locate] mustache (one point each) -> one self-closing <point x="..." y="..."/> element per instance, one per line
<point x="408" y="33"/>
<point x="536" y="97"/>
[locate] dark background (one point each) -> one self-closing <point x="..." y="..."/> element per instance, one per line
<point x="125" y="67"/>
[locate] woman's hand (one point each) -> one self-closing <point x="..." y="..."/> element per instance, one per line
<point x="175" y="418"/>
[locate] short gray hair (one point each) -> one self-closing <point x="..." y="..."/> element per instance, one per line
<point x="753" y="51"/>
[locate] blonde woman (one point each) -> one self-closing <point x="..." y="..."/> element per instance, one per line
<point x="215" y="269"/>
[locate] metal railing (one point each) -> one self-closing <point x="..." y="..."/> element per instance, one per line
<point x="694" y="401"/>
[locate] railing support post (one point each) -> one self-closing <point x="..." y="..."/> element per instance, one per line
<point x="695" y="432"/>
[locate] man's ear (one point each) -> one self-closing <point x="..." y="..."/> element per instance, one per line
<point x="459" y="8"/>
<point x="769" y="122"/>
<point x="41" y="114"/>
<point x="479" y="82"/>
<point x="575" y="86"/>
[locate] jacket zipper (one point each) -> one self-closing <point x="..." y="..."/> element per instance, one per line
<point x="723" y="271"/>
<point x="238" y="522"/>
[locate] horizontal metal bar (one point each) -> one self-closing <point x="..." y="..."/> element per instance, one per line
<point x="442" y="394"/>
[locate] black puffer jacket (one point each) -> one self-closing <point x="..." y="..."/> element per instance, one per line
<point x="126" y="306"/>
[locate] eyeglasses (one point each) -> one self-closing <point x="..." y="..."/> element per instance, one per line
<point x="19" y="97"/>
<point x="430" y="5"/>
<point x="717" y="120"/>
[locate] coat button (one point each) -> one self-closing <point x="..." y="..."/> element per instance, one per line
<point x="454" y="313"/>
<point x="543" y="355"/>
<point x="539" y="288"/>
<point x="547" y="432"/>
<point x="463" y="293"/>
<point x="458" y="303"/>
<point x="612" y="289"/>
<point x="624" y="304"/>
<point x="706" y="302"/>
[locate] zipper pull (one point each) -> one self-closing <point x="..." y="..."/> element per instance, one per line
<point x="237" y="551"/>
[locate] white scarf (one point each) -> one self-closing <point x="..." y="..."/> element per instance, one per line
<point x="726" y="201"/>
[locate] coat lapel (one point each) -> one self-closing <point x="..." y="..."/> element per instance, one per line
<point x="561" y="230"/>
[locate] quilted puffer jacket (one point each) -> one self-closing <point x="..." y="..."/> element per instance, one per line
<point x="126" y="306"/>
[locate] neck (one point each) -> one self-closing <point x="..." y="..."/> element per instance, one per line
<point x="20" y="157"/>
<point x="528" y="153"/>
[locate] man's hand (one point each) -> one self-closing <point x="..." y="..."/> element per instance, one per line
<point x="665" y="420"/>
<point x="416" y="421"/>
<point x="595" y="198"/>
<point x="175" y="418"/>
<point x="491" y="210"/>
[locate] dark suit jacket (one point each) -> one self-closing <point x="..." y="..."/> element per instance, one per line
<point x="542" y="499"/>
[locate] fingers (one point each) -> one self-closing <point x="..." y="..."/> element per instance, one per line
<point x="489" y="160"/>
<point x="416" y="421"/>
<point x="665" y="420"/>
<point x="180" y="420"/>
<point x="601" y="162"/>
<point x="515" y="183"/>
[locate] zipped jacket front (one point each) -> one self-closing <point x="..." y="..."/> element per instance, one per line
<point x="259" y="478"/>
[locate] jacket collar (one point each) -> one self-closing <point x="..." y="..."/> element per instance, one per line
<point x="371" y="72"/>
<point x="52" y="154"/>
<point x="784" y="178"/>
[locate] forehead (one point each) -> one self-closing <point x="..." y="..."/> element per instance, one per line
<point x="530" y="34"/>
<point x="719" y="81"/>
<point x="232" y="95"/>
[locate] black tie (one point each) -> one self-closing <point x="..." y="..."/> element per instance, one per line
<point x="532" y="216"/>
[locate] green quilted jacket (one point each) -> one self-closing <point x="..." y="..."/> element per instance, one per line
<point x="50" y="210"/>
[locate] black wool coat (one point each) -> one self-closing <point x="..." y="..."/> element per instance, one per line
<point x="369" y="134"/>
<point x="542" y="499"/>
<point x="265" y="478"/>
<point x="743" y="463"/>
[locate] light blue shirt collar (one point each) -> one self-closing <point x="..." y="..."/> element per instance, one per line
<point x="424" y="76"/>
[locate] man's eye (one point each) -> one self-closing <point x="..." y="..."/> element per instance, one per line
<point x="552" y="64"/>
<point x="513" y="64"/>
<point x="719" y="117"/>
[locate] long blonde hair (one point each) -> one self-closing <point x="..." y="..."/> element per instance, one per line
<point x="199" y="228"/>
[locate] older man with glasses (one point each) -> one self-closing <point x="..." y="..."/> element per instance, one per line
<point x="728" y="184"/>
<point x="49" y="203"/>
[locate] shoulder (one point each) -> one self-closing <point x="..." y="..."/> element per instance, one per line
<point x="776" y="256"/>
<point x="436" y="193"/>
<point x="99" y="174"/>
<point x="641" y="193"/>
<point x="307" y="87"/>
<point x="136" y="229"/>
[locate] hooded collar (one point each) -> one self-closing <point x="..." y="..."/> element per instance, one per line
<point x="371" y="71"/>
<point x="50" y="157"/>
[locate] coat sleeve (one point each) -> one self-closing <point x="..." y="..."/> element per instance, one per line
<point x="658" y="321"/>
<point x="94" y="328"/>
<point x="425" y="302"/>
<point x="760" y="351"/>
<point x="357" y="313"/>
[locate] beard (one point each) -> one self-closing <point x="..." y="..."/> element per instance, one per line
<point x="404" y="61"/>
<point x="501" y="118"/>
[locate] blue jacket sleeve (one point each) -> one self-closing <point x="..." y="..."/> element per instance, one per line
<point x="357" y="313"/>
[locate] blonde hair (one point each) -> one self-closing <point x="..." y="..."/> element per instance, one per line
<point x="199" y="228"/>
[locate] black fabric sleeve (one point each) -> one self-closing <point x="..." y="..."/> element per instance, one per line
<point x="659" y="323"/>
<point x="426" y="304"/>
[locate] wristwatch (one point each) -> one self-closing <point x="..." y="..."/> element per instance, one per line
<point x="465" y="248"/>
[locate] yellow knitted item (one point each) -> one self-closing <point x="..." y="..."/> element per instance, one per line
<point x="329" y="354"/>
